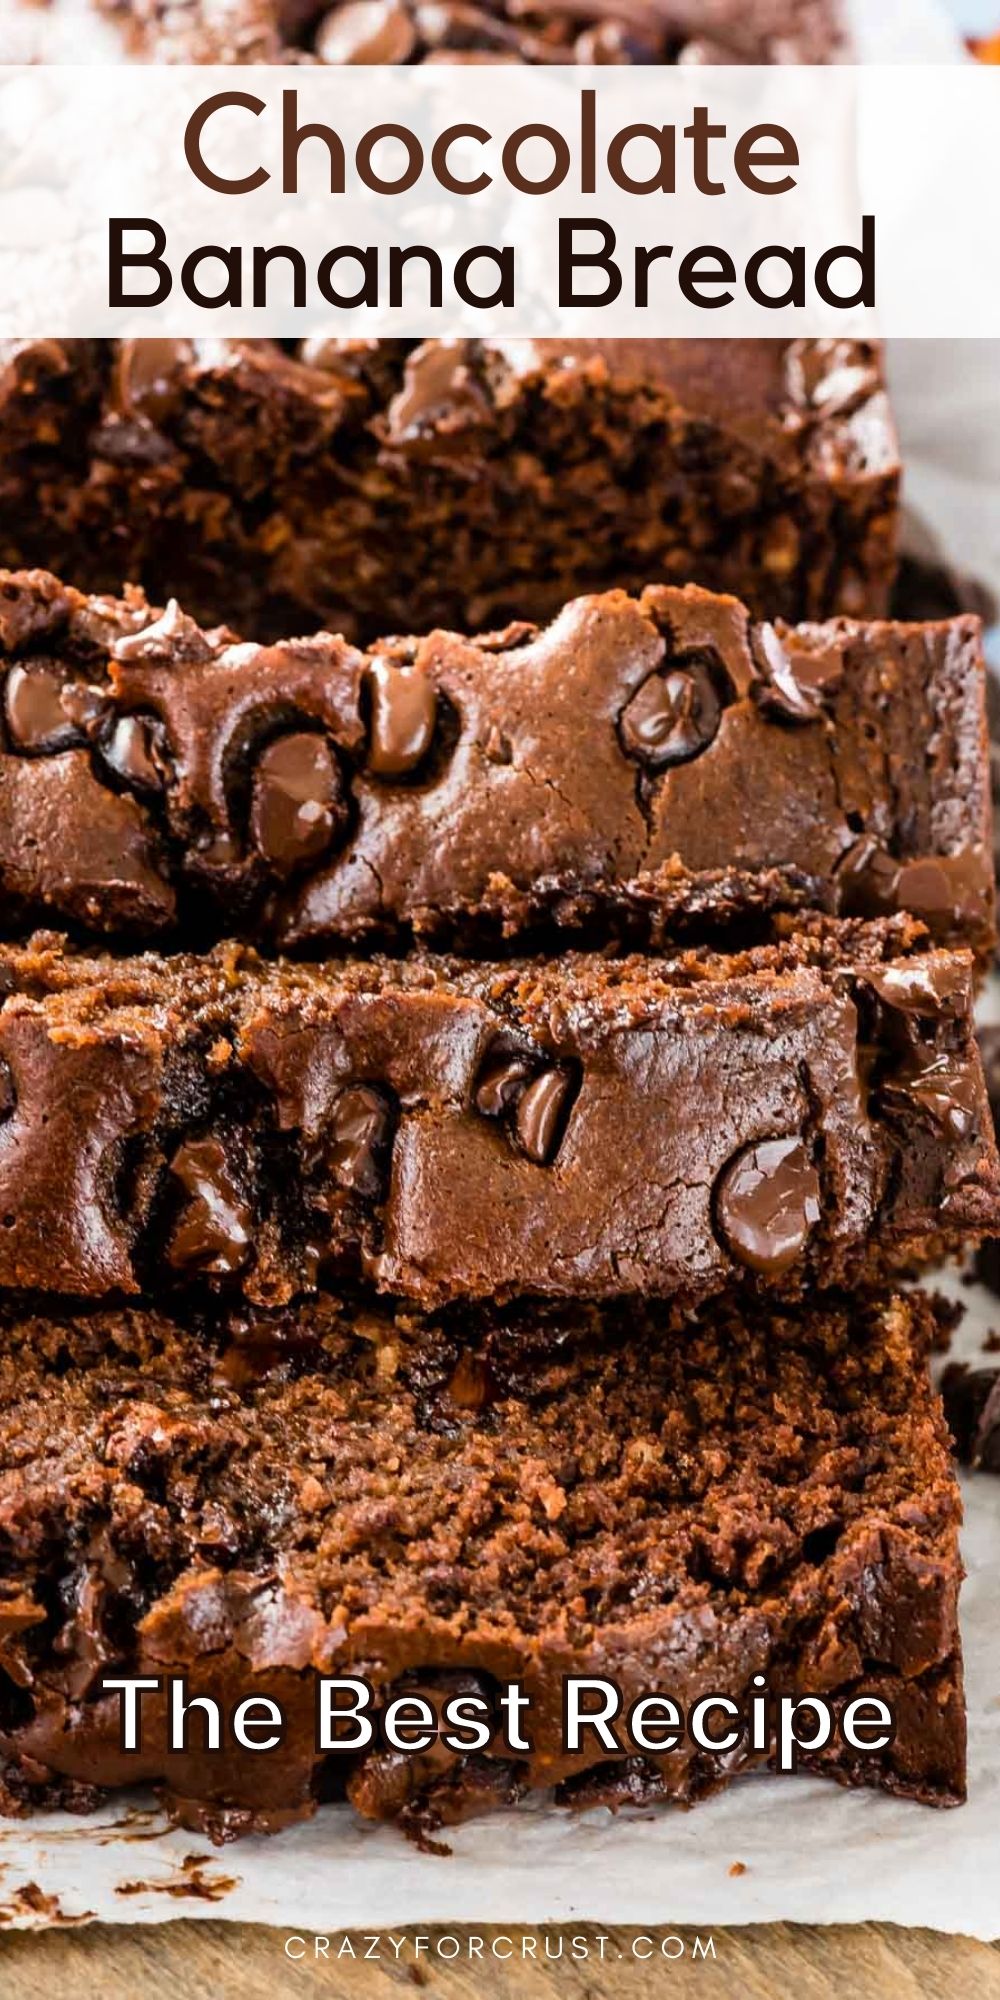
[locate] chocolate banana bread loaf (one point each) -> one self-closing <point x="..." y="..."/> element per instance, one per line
<point x="445" y="1506"/>
<point x="640" y="770"/>
<point x="519" y="31"/>
<point x="807" y="1113"/>
<point x="391" y="486"/>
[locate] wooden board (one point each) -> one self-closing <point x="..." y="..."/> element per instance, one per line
<point x="202" y="1961"/>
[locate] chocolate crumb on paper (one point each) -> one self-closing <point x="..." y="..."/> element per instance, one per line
<point x="192" y="1879"/>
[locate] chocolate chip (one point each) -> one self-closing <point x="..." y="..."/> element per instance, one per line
<point x="500" y="1084"/>
<point x="403" y="717"/>
<point x="8" y="1092"/>
<point x="297" y="805"/>
<point x="972" y="1409"/>
<point x="613" y="42"/>
<point x="672" y="717"/>
<point x="455" y="25"/>
<point x="149" y="376"/>
<point x="366" y="31"/>
<point x="795" y="678"/>
<point x="440" y="392"/>
<point x="945" y="890"/>
<point x="867" y="879"/>
<point x="927" y="987"/>
<point x="36" y="719"/>
<point x="212" y="1233"/>
<point x="83" y="706"/>
<point x="437" y="1687"/>
<point x="539" y="1116"/>
<point x="360" y="1137"/>
<point x="511" y="1085"/>
<point x="134" y="752"/>
<point x="767" y="1202"/>
<point x="944" y="1087"/>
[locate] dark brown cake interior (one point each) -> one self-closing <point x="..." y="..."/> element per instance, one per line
<point x="380" y="486"/>
<point x="510" y="1496"/>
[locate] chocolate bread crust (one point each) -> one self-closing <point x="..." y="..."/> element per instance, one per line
<point x="374" y="486"/>
<point x="810" y="1113"/>
<point x="445" y="1505"/>
<point x="641" y="770"/>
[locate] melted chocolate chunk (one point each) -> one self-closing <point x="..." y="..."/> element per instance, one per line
<point x="8" y="1092"/>
<point x="672" y="717"/>
<point x="540" y="1115"/>
<point x="536" y="1101"/>
<point x="944" y="1087"/>
<point x="366" y="31"/>
<point x="926" y="988"/>
<point x="134" y="751"/>
<point x="972" y="1409"/>
<point x="150" y="376"/>
<point x="297" y="806"/>
<point x="436" y="1687"/>
<point x="795" y="678"/>
<point x="500" y="1084"/>
<point x="360" y="1140"/>
<point x="767" y="1203"/>
<point x="439" y="392"/>
<point x="940" y="888"/>
<point x="212" y="1233"/>
<point x="403" y="718"/>
<point x="83" y="706"/>
<point x="33" y="709"/>
<point x="614" y="41"/>
<point x="943" y="890"/>
<point x="867" y="880"/>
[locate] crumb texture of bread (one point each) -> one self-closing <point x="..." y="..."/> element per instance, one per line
<point x="373" y="486"/>
<point x="443" y="1505"/>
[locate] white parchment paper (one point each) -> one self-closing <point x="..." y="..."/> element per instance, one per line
<point x="809" y="1851"/>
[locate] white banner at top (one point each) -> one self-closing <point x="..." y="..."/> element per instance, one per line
<point x="482" y="200"/>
